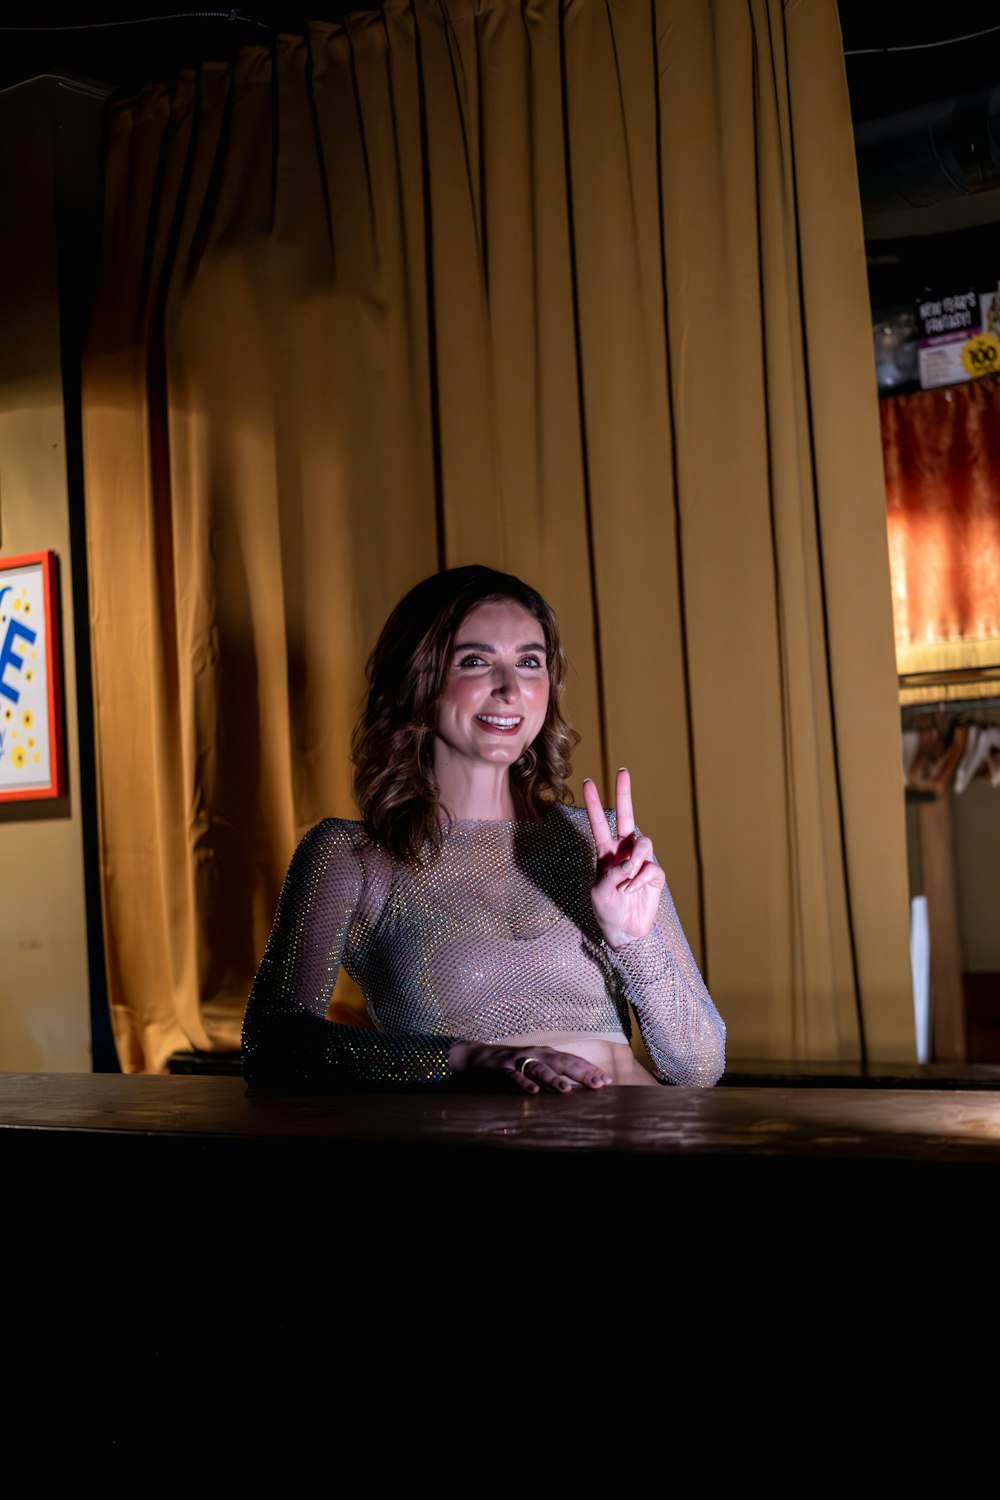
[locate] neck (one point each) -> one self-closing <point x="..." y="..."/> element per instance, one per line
<point x="474" y="791"/>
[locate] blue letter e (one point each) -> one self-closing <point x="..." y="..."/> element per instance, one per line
<point x="8" y="659"/>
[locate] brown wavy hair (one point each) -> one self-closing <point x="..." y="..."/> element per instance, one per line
<point x="392" y="747"/>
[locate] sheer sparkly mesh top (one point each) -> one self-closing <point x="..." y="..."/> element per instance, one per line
<point x="493" y="936"/>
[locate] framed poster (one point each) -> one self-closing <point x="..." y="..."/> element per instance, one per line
<point x="31" y="731"/>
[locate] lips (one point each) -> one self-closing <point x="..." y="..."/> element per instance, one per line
<point x="499" y="723"/>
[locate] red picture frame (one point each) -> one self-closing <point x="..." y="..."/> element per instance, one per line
<point x="32" y="750"/>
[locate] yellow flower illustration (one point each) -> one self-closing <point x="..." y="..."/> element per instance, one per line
<point x="8" y="713"/>
<point x="28" y="674"/>
<point x="37" y="757"/>
<point x="31" y="742"/>
<point x="17" y="606"/>
<point x="27" y="606"/>
<point x="19" y="757"/>
<point x="27" y="718"/>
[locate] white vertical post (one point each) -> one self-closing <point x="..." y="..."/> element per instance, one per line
<point x="920" y="964"/>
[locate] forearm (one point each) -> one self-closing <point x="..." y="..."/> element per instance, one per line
<point x="301" y="1052"/>
<point x="681" y="1028"/>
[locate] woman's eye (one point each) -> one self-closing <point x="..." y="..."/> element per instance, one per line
<point x="473" y="660"/>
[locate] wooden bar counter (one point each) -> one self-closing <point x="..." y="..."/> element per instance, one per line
<point x="171" y="1139"/>
<point x="166" y="1233"/>
<point x="185" y="1117"/>
<point x="662" y="1126"/>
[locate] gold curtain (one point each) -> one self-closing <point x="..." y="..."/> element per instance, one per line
<point x="574" y="289"/>
<point x="942" y="457"/>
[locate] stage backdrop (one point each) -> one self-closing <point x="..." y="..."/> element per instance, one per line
<point x="574" y="289"/>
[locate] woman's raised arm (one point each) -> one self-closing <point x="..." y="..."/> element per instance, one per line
<point x="645" y="944"/>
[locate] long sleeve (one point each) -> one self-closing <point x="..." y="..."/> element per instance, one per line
<point x="683" y="1032"/>
<point x="288" y="1044"/>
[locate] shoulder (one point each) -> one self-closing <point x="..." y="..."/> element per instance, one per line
<point x="336" y="832"/>
<point x="576" y="816"/>
<point x="334" y="844"/>
<point x="579" y="819"/>
<point x="333" y="833"/>
<point x="573" y="820"/>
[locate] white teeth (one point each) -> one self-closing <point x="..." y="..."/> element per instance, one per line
<point x="500" y="723"/>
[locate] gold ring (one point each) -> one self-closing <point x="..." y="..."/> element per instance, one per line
<point x="524" y="1063"/>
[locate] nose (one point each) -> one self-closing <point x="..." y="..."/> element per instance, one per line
<point x="506" y="687"/>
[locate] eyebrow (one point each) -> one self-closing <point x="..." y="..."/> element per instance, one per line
<point x="482" y="646"/>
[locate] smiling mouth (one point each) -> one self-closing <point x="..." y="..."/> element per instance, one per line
<point x="499" y="723"/>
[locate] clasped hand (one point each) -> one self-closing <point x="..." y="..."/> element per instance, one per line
<point x="528" y="1068"/>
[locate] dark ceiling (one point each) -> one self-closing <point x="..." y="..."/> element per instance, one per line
<point x="901" y="55"/>
<point x="925" y="97"/>
<point x="924" y="86"/>
<point x="123" y="47"/>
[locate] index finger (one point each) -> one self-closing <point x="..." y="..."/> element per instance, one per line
<point x="625" y="820"/>
<point x="598" y="822"/>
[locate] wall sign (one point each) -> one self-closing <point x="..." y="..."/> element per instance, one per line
<point x="31" y="735"/>
<point x="957" y="336"/>
<point x="945" y="324"/>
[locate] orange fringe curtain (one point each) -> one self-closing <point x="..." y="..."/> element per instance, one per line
<point x="942" y="466"/>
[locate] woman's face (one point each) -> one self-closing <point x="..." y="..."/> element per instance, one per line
<point x="497" y="690"/>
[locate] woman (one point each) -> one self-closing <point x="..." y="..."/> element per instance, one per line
<point x="499" y="935"/>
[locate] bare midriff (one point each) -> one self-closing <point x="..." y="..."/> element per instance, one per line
<point x="608" y="1050"/>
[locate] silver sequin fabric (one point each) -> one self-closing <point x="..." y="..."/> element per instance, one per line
<point x="492" y="936"/>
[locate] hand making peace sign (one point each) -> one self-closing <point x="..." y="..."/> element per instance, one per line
<point x="628" y="882"/>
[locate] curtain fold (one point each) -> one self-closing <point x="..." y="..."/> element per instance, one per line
<point x="574" y="289"/>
